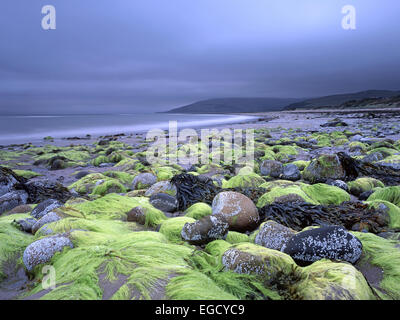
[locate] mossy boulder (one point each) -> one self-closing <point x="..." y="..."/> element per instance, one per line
<point x="172" y="228"/>
<point x="143" y="181"/>
<point x="364" y="184"/>
<point x="109" y="186"/>
<point x="198" y="210"/>
<point x="87" y="184"/>
<point x="291" y="193"/>
<point x="324" y="194"/>
<point x="390" y="194"/>
<point x="380" y="264"/>
<point x="251" y="180"/>
<point x="327" y="280"/>
<point x="323" y="168"/>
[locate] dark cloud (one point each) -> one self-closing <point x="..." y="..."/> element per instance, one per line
<point x="136" y="56"/>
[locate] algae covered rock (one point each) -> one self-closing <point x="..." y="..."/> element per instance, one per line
<point x="161" y="187"/>
<point x="143" y="181"/>
<point x="251" y="180"/>
<point x="364" y="184"/>
<point x="238" y="210"/>
<point x="323" y="168"/>
<point x="327" y="280"/>
<point x="41" y="251"/>
<point x="248" y="258"/>
<point x="205" y="230"/>
<point x="390" y="194"/>
<point x="198" y="210"/>
<point x="322" y="193"/>
<point x="273" y="235"/>
<point x="330" y="242"/>
<point x="48" y="218"/>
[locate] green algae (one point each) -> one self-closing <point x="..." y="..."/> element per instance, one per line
<point x="251" y="180"/>
<point x="390" y="194"/>
<point x="236" y="237"/>
<point x="27" y="174"/>
<point x="172" y="228"/>
<point x="324" y="194"/>
<point x="12" y="241"/>
<point x="364" y="184"/>
<point x="384" y="255"/>
<point x="198" y="210"/>
<point x="279" y="193"/>
<point x="109" y="186"/>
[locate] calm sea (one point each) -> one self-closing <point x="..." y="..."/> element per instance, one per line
<point x="22" y="129"/>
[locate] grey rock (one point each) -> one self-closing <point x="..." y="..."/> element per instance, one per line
<point x="7" y="183"/>
<point x="25" y="224"/>
<point x="271" y="168"/>
<point x="12" y="199"/>
<point x="339" y="183"/>
<point x="273" y="235"/>
<point x="205" y="230"/>
<point x="291" y="172"/>
<point x="357" y="137"/>
<point x="161" y="187"/>
<point x="44" y="208"/>
<point x="372" y="157"/>
<point x="146" y="180"/>
<point x="330" y="242"/>
<point x="164" y="202"/>
<point x="41" y="251"/>
<point x="48" y="218"/>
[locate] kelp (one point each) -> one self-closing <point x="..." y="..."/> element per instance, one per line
<point x="355" y="216"/>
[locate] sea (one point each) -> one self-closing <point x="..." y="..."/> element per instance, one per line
<point x="17" y="129"/>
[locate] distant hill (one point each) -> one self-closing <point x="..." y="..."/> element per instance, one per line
<point x="342" y="100"/>
<point x="236" y="105"/>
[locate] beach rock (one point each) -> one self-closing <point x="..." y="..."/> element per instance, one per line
<point x="205" y="230"/>
<point x="161" y="187"/>
<point x="273" y="235"/>
<point x="238" y="210"/>
<point x="164" y="202"/>
<point x="338" y="183"/>
<point x="41" y="251"/>
<point x="291" y="172"/>
<point x="8" y="181"/>
<point x="81" y="174"/>
<point x="45" y="207"/>
<point x="372" y="157"/>
<point x="249" y="258"/>
<point x="48" y="218"/>
<point x="329" y="242"/>
<point x="12" y="199"/>
<point x="25" y="224"/>
<point x="137" y="214"/>
<point x="356" y="137"/>
<point x="271" y="168"/>
<point x="323" y="168"/>
<point x="143" y="181"/>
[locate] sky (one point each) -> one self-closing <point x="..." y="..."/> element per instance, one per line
<point x="112" y="56"/>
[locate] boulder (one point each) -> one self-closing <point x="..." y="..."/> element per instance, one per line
<point x="48" y="218"/>
<point x="41" y="251"/>
<point x="12" y="199"/>
<point x="238" y="210"/>
<point x="161" y="187"/>
<point x="205" y="230"/>
<point x="164" y="202"/>
<point x="25" y="224"/>
<point x="143" y="181"/>
<point x="323" y="168"/>
<point x="291" y="172"/>
<point x="331" y="242"/>
<point x="273" y="235"/>
<point x="271" y="168"/>
<point x="45" y="207"/>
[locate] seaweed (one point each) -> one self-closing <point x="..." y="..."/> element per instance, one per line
<point x="354" y="216"/>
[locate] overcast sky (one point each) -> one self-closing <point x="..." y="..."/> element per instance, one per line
<point x="152" y="55"/>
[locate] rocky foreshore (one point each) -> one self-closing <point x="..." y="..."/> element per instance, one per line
<point x="316" y="216"/>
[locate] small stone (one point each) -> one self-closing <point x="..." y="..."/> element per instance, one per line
<point x="137" y="214"/>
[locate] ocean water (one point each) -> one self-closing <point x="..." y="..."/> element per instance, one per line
<point x="22" y="129"/>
